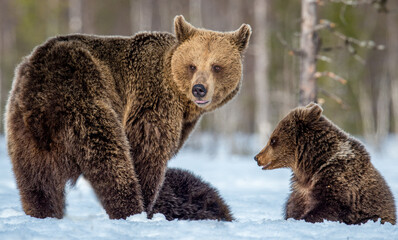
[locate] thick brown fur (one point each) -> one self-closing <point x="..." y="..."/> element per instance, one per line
<point x="333" y="178"/>
<point x="185" y="196"/>
<point x="114" y="109"/>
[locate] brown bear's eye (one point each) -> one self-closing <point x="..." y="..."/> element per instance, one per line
<point x="273" y="141"/>
<point x="192" y="68"/>
<point x="216" y="68"/>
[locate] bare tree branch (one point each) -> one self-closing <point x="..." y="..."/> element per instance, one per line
<point x="368" y="44"/>
<point x="352" y="2"/>
<point x="324" y="58"/>
<point x="292" y="51"/>
<point x="325" y="24"/>
<point x="380" y="5"/>
<point x="331" y="75"/>
<point x="349" y="42"/>
<point x="334" y="97"/>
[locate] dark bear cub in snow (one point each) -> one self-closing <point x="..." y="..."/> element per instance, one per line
<point x="185" y="196"/>
<point x="333" y="178"/>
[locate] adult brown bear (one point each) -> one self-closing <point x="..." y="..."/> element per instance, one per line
<point x="114" y="109"/>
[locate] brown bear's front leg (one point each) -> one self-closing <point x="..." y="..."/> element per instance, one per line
<point x="151" y="179"/>
<point x="186" y="130"/>
<point x="153" y="140"/>
<point x="295" y="207"/>
<point x="325" y="212"/>
<point x="106" y="163"/>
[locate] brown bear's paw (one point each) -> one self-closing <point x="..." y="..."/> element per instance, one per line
<point x="185" y="196"/>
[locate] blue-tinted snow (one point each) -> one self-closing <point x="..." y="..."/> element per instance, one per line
<point x="256" y="198"/>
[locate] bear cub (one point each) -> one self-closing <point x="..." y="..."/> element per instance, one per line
<point x="333" y="178"/>
<point x="185" y="196"/>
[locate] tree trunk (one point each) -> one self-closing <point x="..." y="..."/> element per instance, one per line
<point x="165" y="17"/>
<point x="261" y="64"/>
<point x="145" y="13"/>
<point x="2" y="7"/>
<point x="195" y="12"/>
<point x="134" y="16"/>
<point x="52" y="20"/>
<point x="75" y="16"/>
<point x="383" y="110"/>
<point x="365" y="108"/>
<point x="392" y="36"/>
<point x="89" y="7"/>
<point x="308" y="46"/>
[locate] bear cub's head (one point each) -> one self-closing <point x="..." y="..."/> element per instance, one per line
<point x="280" y="151"/>
<point x="207" y="65"/>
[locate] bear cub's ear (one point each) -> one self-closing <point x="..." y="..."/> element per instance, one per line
<point x="313" y="112"/>
<point x="241" y="37"/>
<point x="310" y="113"/>
<point x="183" y="30"/>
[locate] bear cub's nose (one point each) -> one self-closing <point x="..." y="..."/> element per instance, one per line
<point x="199" y="90"/>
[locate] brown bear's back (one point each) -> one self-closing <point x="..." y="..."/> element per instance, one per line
<point x="68" y="74"/>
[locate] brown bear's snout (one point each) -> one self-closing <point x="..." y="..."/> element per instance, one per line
<point x="199" y="91"/>
<point x="255" y="158"/>
<point x="263" y="160"/>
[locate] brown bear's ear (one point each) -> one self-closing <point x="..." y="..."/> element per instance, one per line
<point x="313" y="112"/>
<point x="241" y="37"/>
<point x="310" y="113"/>
<point x="183" y="29"/>
<point x="310" y="104"/>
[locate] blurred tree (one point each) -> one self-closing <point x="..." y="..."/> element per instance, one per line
<point x="373" y="100"/>
<point x="195" y="12"/>
<point x="53" y="13"/>
<point x="89" y="7"/>
<point x="2" y="7"/>
<point x="308" y="52"/>
<point x="260" y="41"/>
<point x="145" y="12"/>
<point x="392" y="40"/>
<point x="75" y="16"/>
<point x="8" y="52"/>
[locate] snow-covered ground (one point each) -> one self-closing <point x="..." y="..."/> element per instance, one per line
<point x="256" y="198"/>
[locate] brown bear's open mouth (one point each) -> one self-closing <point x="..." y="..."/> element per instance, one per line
<point x="265" y="167"/>
<point x="201" y="102"/>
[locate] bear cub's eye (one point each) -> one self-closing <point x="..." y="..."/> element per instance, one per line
<point x="273" y="141"/>
<point x="192" y="68"/>
<point x="216" y="68"/>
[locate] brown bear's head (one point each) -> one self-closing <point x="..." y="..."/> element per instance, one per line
<point x="282" y="147"/>
<point x="207" y="65"/>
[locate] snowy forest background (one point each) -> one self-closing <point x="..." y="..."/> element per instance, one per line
<point x="355" y="49"/>
<point x="357" y="55"/>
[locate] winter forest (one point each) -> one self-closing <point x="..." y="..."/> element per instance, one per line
<point x="342" y="54"/>
<point x="354" y="49"/>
